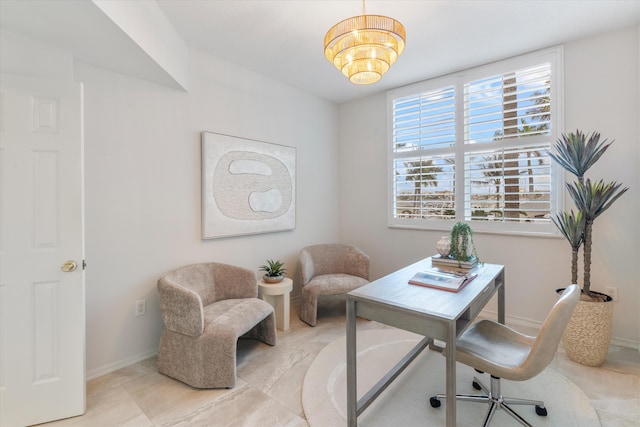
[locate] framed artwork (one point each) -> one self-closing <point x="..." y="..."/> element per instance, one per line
<point x="248" y="186"/>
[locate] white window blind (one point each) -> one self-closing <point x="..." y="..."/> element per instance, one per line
<point x="508" y="185"/>
<point x="474" y="147"/>
<point x="424" y="187"/>
<point x="425" y="120"/>
<point x="510" y="105"/>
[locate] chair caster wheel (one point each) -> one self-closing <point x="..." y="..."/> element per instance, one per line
<point x="541" y="410"/>
<point x="476" y="385"/>
<point x="435" y="402"/>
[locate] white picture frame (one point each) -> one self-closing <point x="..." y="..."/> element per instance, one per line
<point x="248" y="186"/>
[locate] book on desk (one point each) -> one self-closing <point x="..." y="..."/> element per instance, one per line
<point x="446" y="281"/>
<point x="440" y="261"/>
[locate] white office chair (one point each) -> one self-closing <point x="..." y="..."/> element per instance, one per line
<point x="500" y="351"/>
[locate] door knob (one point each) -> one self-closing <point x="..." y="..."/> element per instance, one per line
<point x="69" y="266"/>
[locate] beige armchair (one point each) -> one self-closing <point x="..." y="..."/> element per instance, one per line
<point x="205" y="309"/>
<point x="329" y="269"/>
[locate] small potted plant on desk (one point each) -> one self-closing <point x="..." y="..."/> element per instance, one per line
<point x="462" y="246"/>
<point x="458" y="249"/>
<point x="274" y="271"/>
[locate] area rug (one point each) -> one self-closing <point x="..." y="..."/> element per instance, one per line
<point x="406" y="401"/>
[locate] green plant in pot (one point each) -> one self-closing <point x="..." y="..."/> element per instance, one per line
<point x="588" y="334"/>
<point x="462" y="246"/>
<point x="274" y="271"/>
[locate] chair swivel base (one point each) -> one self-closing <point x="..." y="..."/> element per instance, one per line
<point x="495" y="400"/>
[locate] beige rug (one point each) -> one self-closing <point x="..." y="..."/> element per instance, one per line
<point x="406" y="402"/>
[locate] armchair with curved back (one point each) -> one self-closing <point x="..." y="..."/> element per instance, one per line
<point x="502" y="352"/>
<point x="329" y="269"/>
<point x="206" y="308"/>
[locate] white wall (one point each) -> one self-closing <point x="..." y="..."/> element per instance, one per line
<point x="22" y="55"/>
<point x="143" y="188"/>
<point x="601" y="94"/>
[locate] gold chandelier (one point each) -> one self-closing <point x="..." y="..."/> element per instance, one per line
<point x="364" y="47"/>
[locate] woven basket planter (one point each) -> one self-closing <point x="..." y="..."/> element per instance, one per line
<point x="588" y="334"/>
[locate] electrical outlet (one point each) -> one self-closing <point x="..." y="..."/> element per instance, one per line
<point x="612" y="292"/>
<point x="141" y="307"/>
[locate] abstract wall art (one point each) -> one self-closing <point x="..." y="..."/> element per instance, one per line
<point x="248" y="186"/>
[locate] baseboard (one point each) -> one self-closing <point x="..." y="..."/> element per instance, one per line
<point x="111" y="367"/>
<point x="621" y="342"/>
<point x="528" y="323"/>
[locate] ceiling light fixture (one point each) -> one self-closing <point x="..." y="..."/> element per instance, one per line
<point x="364" y="47"/>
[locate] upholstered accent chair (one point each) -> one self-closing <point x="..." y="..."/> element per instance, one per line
<point x="206" y="308"/>
<point x="329" y="269"/>
<point x="502" y="352"/>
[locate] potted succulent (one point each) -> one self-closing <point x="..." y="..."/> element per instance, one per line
<point x="462" y="246"/>
<point x="274" y="271"/>
<point x="588" y="334"/>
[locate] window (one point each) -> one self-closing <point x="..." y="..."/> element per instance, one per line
<point x="473" y="147"/>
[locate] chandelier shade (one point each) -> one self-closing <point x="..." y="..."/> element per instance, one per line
<point x="364" y="47"/>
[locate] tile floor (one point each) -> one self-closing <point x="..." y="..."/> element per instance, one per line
<point x="268" y="390"/>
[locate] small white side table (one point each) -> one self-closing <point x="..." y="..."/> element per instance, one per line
<point x="277" y="294"/>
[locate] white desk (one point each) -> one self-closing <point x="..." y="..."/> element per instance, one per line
<point x="430" y="312"/>
<point x="277" y="294"/>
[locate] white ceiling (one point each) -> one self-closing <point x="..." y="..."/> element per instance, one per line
<point x="282" y="39"/>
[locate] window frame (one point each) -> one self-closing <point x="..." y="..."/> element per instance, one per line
<point x="553" y="56"/>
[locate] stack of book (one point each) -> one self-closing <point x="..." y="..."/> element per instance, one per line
<point x="440" y="261"/>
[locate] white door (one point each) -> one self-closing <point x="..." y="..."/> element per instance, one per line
<point x="42" y="308"/>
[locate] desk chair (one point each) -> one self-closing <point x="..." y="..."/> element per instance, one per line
<point x="500" y="351"/>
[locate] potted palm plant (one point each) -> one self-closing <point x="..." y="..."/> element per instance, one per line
<point x="588" y="334"/>
<point x="274" y="271"/>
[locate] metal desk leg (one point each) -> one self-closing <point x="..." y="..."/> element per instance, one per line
<point x="451" y="375"/>
<point x="352" y="392"/>
<point x="501" y="298"/>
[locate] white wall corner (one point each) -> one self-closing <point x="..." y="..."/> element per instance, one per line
<point x="149" y="28"/>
